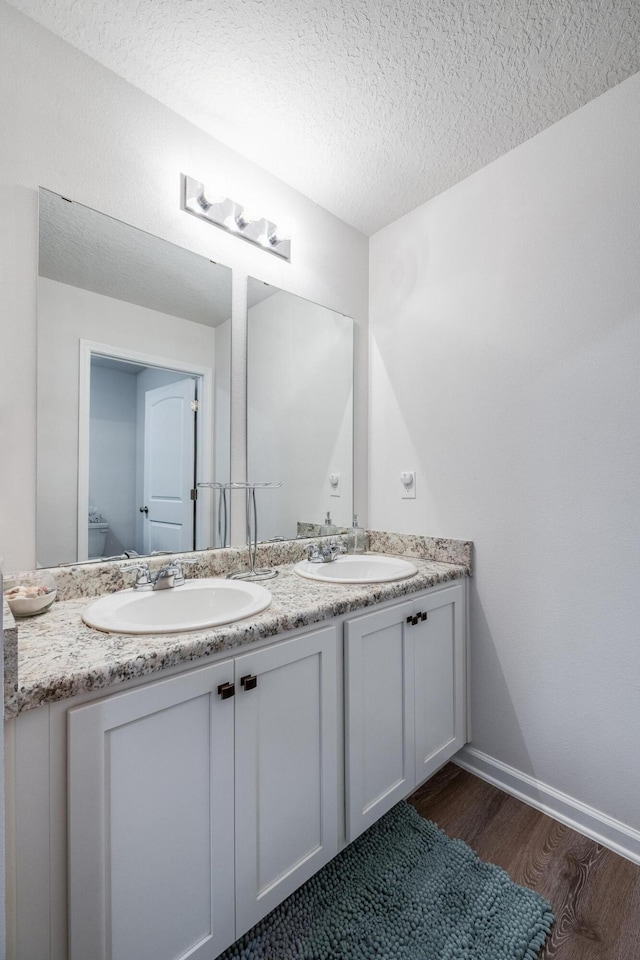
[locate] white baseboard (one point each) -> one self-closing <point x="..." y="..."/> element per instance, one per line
<point x="579" y="816"/>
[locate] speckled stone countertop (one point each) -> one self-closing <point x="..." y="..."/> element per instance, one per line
<point x="10" y="637"/>
<point x="58" y="656"/>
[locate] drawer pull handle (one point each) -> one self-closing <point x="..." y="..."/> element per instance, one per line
<point x="416" y="618"/>
<point x="249" y="682"/>
<point x="227" y="690"/>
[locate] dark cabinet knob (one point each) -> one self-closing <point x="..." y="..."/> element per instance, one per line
<point x="416" y="618"/>
<point x="144" y="510"/>
<point x="249" y="682"/>
<point x="227" y="690"/>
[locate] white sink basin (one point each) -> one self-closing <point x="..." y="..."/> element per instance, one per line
<point x="195" y="605"/>
<point x="358" y="568"/>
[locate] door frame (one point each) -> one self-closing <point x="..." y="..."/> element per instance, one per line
<point x="204" y="433"/>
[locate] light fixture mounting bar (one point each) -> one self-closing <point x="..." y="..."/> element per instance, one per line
<point x="231" y="216"/>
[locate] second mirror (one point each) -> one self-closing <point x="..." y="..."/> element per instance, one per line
<point x="299" y="413"/>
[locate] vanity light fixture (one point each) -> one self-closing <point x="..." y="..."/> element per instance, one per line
<point x="233" y="218"/>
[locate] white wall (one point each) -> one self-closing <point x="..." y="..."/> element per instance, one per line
<point x="112" y="453"/>
<point x="505" y="349"/>
<point x="78" y="129"/>
<point x="299" y="412"/>
<point x="66" y="315"/>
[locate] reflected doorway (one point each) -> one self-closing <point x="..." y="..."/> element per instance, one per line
<point x="145" y="433"/>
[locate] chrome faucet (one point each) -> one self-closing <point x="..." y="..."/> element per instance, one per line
<point x="166" y="577"/>
<point x="171" y="575"/>
<point x="325" y="552"/>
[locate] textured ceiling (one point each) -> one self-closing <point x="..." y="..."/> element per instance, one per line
<point x="369" y="107"/>
<point x="84" y="248"/>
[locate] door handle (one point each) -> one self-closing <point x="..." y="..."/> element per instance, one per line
<point x="144" y="510"/>
<point x="249" y="682"/>
<point x="226" y="690"/>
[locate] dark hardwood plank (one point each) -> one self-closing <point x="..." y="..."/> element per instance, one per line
<point x="594" y="893"/>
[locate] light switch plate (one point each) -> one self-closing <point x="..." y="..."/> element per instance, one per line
<point x="408" y="484"/>
<point x="335" y="485"/>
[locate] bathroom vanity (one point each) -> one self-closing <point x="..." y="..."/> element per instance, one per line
<point x="163" y="814"/>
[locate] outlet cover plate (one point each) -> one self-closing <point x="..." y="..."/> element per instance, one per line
<point x="408" y="484"/>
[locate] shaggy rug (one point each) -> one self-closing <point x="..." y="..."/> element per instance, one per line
<point x="403" y="891"/>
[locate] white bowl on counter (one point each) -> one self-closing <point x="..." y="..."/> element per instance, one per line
<point x="29" y="594"/>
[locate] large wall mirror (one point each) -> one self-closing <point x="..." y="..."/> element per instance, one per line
<point x="299" y="413"/>
<point x="133" y="390"/>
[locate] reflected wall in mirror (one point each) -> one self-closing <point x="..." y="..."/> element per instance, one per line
<point x="299" y="412"/>
<point x="133" y="382"/>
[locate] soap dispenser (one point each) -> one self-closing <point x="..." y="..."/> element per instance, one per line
<point x="327" y="529"/>
<point x="355" y="537"/>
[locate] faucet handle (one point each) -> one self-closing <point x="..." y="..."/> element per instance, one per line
<point x="313" y="554"/>
<point x="143" y="578"/>
<point x="177" y="567"/>
<point x="336" y="547"/>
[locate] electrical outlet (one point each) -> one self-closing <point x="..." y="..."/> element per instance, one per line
<point x="408" y="484"/>
<point x="335" y="485"/>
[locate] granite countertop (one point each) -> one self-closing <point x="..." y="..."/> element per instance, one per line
<point x="58" y="656"/>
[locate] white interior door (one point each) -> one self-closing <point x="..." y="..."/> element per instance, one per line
<point x="169" y="448"/>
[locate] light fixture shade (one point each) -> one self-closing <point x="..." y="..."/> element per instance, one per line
<point x="230" y="216"/>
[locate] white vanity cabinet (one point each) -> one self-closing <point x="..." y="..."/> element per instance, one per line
<point x="162" y="821"/>
<point x="194" y="811"/>
<point x="404" y="699"/>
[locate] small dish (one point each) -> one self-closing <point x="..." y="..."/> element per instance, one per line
<point x="29" y="594"/>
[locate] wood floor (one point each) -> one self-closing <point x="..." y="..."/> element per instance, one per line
<point x="594" y="893"/>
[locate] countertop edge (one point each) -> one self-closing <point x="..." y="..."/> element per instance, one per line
<point x="187" y="648"/>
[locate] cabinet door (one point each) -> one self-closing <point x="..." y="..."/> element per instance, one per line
<point x="151" y="821"/>
<point x="379" y="731"/>
<point x="286" y="769"/>
<point x="439" y="678"/>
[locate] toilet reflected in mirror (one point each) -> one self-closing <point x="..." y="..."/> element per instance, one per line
<point x="98" y="530"/>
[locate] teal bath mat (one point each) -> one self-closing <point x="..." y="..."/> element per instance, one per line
<point x="403" y="891"/>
